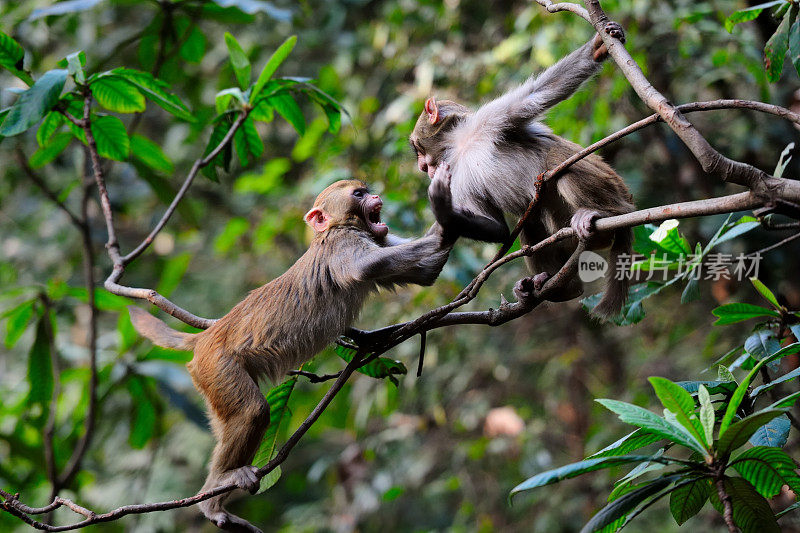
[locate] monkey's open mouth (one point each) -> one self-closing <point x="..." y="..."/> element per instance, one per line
<point x="373" y="216"/>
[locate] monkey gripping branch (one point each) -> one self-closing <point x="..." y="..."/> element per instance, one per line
<point x="762" y="191"/>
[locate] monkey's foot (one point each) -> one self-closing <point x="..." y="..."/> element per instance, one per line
<point x="583" y="223"/>
<point x="245" y="478"/>
<point x="615" y="30"/>
<point x="230" y="522"/>
<point x="526" y="288"/>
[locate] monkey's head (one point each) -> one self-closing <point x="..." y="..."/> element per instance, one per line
<point x="427" y="139"/>
<point x="347" y="203"/>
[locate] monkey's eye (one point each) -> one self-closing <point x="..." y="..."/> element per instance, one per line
<point x="358" y="193"/>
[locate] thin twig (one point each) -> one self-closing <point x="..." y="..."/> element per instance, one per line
<point x="778" y="244"/>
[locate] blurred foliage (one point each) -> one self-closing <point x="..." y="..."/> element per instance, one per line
<point x="426" y="454"/>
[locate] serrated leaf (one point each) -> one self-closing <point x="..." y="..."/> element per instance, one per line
<point x="774" y="433"/>
<point x="777" y="46"/>
<point x="638" y="416"/>
<point x="582" y="467"/>
<point x="287" y="107"/>
<point x="688" y="499"/>
<point x="239" y="61"/>
<point x="111" y="138"/>
<point x="151" y="154"/>
<point x="751" y="512"/>
<point x="706" y="414"/>
<point x="33" y="104"/>
<point x="156" y="91"/>
<point x="118" y="95"/>
<point x="680" y="403"/>
<point x="739" y="312"/>
<point x="17" y="320"/>
<point x="247" y="142"/>
<point x="51" y="150"/>
<point x="52" y="121"/>
<point x="619" y="508"/>
<point x="275" y="60"/>
<point x="739" y="432"/>
<point x="40" y="365"/>
<point x="630" y="442"/>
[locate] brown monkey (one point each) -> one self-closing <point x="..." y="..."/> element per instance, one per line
<point x="483" y="164"/>
<point x="282" y="324"/>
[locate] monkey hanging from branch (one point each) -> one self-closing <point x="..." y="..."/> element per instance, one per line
<point x="284" y="323"/>
<point x="483" y="164"/>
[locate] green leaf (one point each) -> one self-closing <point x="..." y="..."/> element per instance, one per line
<point x="75" y="62"/>
<point x="111" y="137"/>
<point x="11" y="58"/>
<point x="275" y="60"/>
<point x="743" y="15"/>
<point x="637" y="416"/>
<point x="151" y="155"/>
<point x="670" y="240"/>
<point x="765" y="292"/>
<point x="713" y="387"/>
<point x="143" y="421"/>
<point x="582" y="467"/>
<point x="40" y="365"/>
<point x="33" y="104"/>
<point x="691" y="292"/>
<point x="194" y="47"/>
<point x="680" y="403"/>
<point x="286" y="107"/>
<point x="619" y="508"/>
<point x="224" y="98"/>
<point x="738" y="433"/>
<point x="17" y="322"/>
<point x="706" y="414"/>
<point x="380" y="368"/>
<point x="156" y="91"/>
<point x="630" y="442"/>
<point x="227" y="239"/>
<point x="774" y="433"/>
<point x="725" y="375"/>
<point x="794" y="46"/>
<point x="278" y="399"/>
<point x="739" y="312"/>
<point x="247" y="142"/>
<point x="751" y="512"/>
<point x="50" y="151"/>
<point x="787" y="402"/>
<point x="223" y="158"/>
<point x="52" y="121"/>
<point x="239" y="61"/>
<point x="117" y="94"/>
<point x="774" y="383"/>
<point x="688" y="499"/>
<point x="762" y="343"/>
<point x="172" y="273"/>
<point x="777" y="46"/>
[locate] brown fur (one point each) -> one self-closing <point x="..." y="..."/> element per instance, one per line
<point x="490" y="158"/>
<point x="284" y="323"/>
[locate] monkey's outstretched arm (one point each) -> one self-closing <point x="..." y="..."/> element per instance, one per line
<point x="418" y="261"/>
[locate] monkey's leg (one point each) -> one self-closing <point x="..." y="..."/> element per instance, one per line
<point x="548" y="261"/>
<point x="239" y="417"/>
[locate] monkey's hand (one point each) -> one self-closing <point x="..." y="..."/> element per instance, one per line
<point x="439" y="192"/>
<point x="245" y="478"/>
<point x="525" y="289"/>
<point x="613" y="29"/>
<point x="583" y="223"/>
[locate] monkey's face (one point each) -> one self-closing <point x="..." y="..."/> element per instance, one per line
<point x="347" y="203"/>
<point x="428" y="138"/>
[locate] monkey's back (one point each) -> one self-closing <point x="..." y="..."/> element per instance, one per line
<point x="284" y="323"/>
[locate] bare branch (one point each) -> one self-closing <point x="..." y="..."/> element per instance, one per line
<point x="564" y="6"/>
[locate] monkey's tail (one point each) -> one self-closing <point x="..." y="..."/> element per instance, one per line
<point x="616" y="290"/>
<point x="160" y="333"/>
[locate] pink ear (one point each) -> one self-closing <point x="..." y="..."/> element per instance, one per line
<point x="317" y="219"/>
<point x="432" y="109"/>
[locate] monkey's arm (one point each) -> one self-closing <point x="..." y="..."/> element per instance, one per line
<point x="457" y="222"/>
<point x="418" y="261"/>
